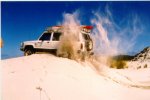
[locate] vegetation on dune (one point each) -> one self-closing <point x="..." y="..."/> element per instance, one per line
<point x="123" y="57"/>
<point x="119" y="62"/>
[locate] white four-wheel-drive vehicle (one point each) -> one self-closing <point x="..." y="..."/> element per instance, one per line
<point x="50" y="40"/>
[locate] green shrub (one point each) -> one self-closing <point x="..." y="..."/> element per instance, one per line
<point x="119" y="64"/>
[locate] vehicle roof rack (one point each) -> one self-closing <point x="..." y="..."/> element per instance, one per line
<point x="60" y="27"/>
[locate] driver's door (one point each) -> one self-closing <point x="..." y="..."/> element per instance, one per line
<point x="44" y="41"/>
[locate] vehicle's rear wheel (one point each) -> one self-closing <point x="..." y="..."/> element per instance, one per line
<point x="66" y="54"/>
<point x="28" y="51"/>
<point x="66" y="50"/>
<point x="82" y="56"/>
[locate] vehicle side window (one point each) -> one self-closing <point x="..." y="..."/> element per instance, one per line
<point x="45" y="36"/>
<point x="56" y="36"/>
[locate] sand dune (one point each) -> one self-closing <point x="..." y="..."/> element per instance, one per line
<point x="46" y="77"/>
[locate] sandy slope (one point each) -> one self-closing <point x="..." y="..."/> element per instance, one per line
<point x="46" y="77"/>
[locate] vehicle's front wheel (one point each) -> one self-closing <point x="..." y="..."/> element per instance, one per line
<point x="28" y="51"/>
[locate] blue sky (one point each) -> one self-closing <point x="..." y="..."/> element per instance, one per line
<point x="22" y="21"/>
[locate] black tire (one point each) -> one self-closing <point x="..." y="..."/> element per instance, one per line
<point x="83" y="56"/>
<point x="65" y="54"/>
<point x="28" y="51"/>
<point x="66" y="51"/>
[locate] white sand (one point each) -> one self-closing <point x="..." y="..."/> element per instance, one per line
<point x="46" y="77"/>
